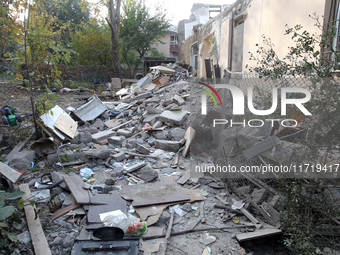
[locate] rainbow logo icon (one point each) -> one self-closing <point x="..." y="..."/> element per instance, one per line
<point x="204" y="98"/>
<point x="210" y="94"/>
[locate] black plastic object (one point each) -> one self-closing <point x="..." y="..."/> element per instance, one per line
<point x="109" y="233"/>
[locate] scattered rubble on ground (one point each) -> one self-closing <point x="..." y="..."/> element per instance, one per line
<point x="128" y="159"/>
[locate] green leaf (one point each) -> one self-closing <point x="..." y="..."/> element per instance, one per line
<point x="12" y="237"/>
<point x="14" y="195"/>
<point x="21" y="204"/>
<point x="2" y="203"/>
<point x="32" y="202"/>
<point x="3" y="225"/>
<point x="6" y="212"/>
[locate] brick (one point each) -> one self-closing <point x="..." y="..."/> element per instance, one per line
<point x="119" y="156"/>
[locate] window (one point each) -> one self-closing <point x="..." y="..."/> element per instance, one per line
<point x="173" y="39"/>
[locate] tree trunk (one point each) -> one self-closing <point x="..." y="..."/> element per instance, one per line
<point x="113" y="23"/>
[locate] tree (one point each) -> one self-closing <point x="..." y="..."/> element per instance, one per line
<point x="92" y="44"/>
<point x="140" y="30"/>
<point x="10" y="25"/>
<point x="67" y="14"/>
<point x="113" y="21"/>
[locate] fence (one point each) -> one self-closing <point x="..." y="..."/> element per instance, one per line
<point x="284" y="164"/>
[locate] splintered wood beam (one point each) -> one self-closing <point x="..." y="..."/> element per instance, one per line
<point x="39" y="241"/>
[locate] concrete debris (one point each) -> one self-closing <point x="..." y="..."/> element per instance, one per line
<point x="138" y="144"/>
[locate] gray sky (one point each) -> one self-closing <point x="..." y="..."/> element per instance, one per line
<point x="181" y="9"/>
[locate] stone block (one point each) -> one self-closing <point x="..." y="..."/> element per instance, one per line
<point x="100" y="136"/>
<point x="175" y="117"/>
<point x="142" y="149"/>
<point x="119" y="156"/>
<point x="124" y="132"/>
<point x="117" y="140"/>
<point x="167" y="145"/>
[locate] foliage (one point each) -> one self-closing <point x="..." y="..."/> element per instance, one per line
<point x="10" y="25"/>
<point x="5" y="213"/>
<point x="140" y="30"/>
<point x="311" y="62"/>
<point x="92" y="44"/>
<point x="314" y="59"/>
<point x="66" y="14"/>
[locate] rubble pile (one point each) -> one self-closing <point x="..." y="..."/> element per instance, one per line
<point x="122" y="169"/>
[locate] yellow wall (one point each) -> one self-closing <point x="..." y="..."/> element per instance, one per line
<point x="269" y="17"/>
<point x="224" y="45"/>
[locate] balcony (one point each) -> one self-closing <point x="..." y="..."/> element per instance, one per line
<point x="174" y="48"/>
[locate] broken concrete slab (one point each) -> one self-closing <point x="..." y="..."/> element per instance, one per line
<point x="124" y="132"/>
<point x="179" y="100"/>
<point x="148" y="174"/>
<point x="117" y="140"/>
<point x="177" y="134"/>
<point x="86" y="137"/>
<point x="22" y="160"/>
<point x="89" y="110"/>
<point x="119" y="156"/>
<point x="167" y="145"/>
<point x="175" y="117"/>
<point x="261" y="147"/>
<point x="142" y="149"/>
<point x="134" y="167"/>
<point x="144" y="95"/>
<point x="101" y="152"/>
<point x="103" y="135"/>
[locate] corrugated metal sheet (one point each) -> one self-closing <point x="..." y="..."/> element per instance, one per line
<point x="90" y="110"/>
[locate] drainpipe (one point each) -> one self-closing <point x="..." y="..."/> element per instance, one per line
<point x="335" y="39"/>
<point x="230" y="49"/>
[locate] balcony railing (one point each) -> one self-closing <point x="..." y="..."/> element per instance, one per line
<point x="174" y="48"/>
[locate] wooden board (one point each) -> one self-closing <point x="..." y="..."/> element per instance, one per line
<point x="184" y="178"/>
<point x="163" y="69"/>
<point x="153" y="193"/>
<point x="66" y="125"/>
<point x="151" y="214"/>
<point x="65" y="210"/>
<point x="9" y="172"/>
<point x="75" y="184"/>
<point x="189" y="136"/>
<point x="102" y="203"/>
<point x="243" y="237"/>
<point x="39" y="241"/>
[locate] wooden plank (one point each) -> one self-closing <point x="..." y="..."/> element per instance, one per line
<point x="184" y="178"/>
<point x="163" y="69"/>
<point x="75" y="184"/>
<point x="65" y="210"/>
<point x="243" y="237"/>
<point x="153" y="193"/>
<point x="151" y="214"/>
<point x="189" y="136"/>
<point x="39" y="241"/>
<point x="66" y="125"/>
<point x="9" y="172"/>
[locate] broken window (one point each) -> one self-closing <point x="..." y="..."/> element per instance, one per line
<point x="194" y="56"/>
